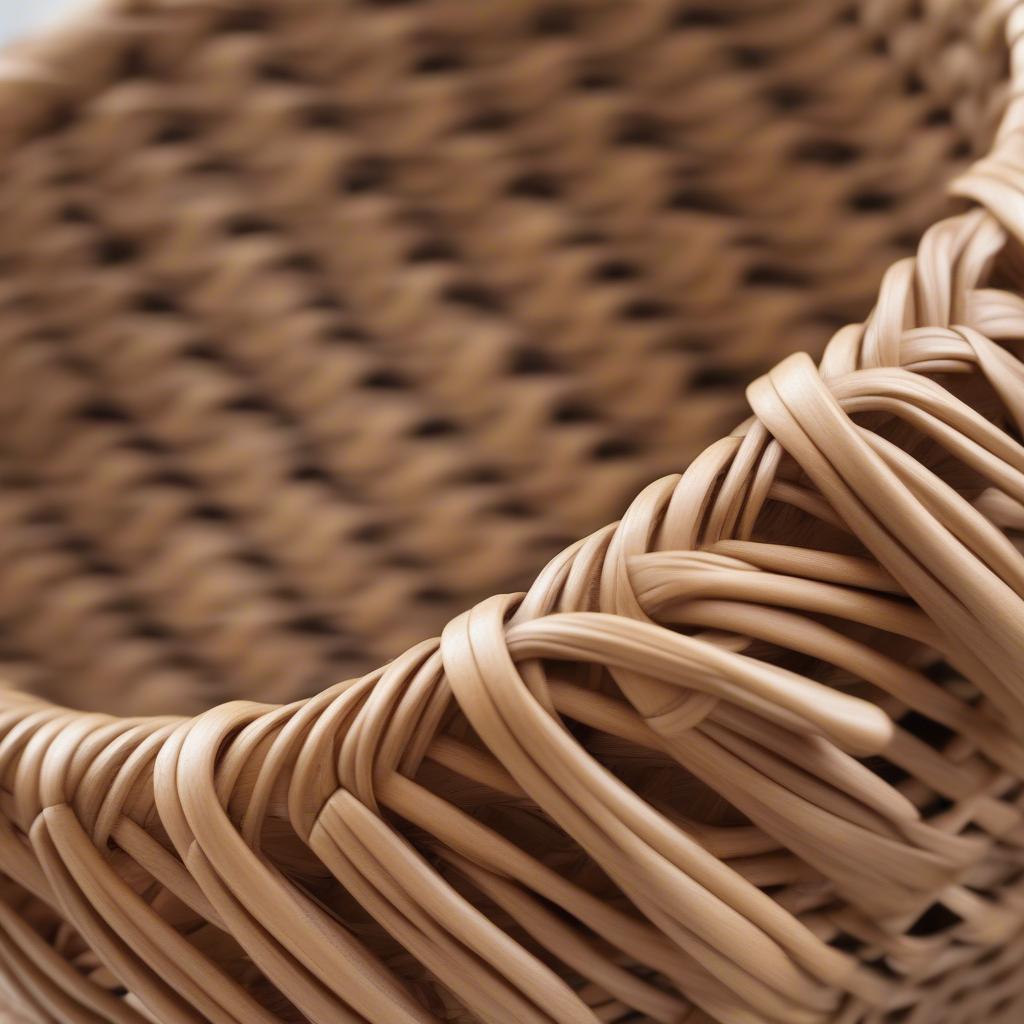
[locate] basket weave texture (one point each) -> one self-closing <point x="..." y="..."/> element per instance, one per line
<point x="321" y="321"/>
<point x="753" y="754"/>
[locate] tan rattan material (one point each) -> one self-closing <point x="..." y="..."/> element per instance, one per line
<point x="321" y="321"/>
<point x="753" y="754"/>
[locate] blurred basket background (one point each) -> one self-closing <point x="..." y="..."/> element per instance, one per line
<point x="321" y="320"/>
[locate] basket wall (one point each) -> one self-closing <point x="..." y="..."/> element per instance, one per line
<point x="321" y="321"/>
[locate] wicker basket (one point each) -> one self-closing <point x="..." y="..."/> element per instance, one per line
<point x="319" y="321"/>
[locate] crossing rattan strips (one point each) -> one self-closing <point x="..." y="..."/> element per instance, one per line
<point x="753" y="754"/>
<point x="321" y="321"/>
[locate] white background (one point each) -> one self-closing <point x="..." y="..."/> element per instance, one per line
<point x="21" y="17"/>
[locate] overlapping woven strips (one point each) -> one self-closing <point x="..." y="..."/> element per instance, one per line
<point x="322" y="320"/>
<point x="754" y="754"/>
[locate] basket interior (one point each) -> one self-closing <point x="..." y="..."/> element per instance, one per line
<point x="320" y="322"/>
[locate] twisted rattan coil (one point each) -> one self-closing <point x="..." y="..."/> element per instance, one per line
<point x="752" y="754"/>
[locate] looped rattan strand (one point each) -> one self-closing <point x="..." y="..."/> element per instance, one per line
<point x="752" y="754"/>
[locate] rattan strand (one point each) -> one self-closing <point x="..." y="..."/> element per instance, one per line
<point x="321" y="321"/>
<point x="751" y="754"/>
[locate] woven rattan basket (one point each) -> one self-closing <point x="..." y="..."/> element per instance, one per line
<point x="320" y="321"/>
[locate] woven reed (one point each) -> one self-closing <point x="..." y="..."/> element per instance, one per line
<point x="752" y="754"/>
<point x="321" y="321"/>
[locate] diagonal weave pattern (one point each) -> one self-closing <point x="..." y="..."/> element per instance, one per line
<point x="322" y="320"/>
